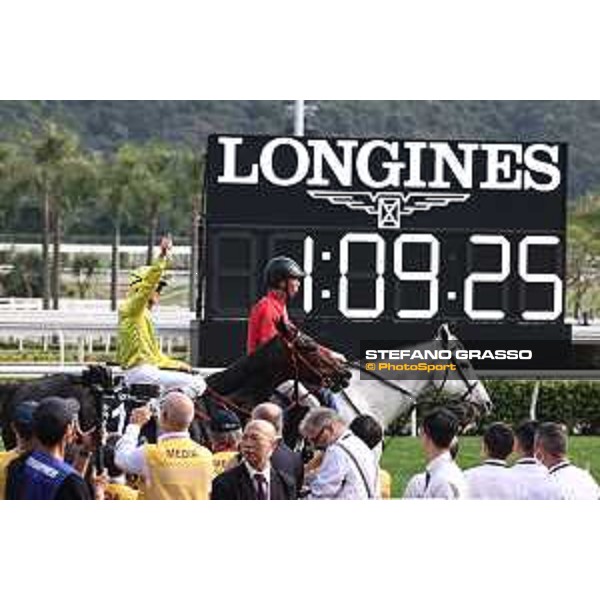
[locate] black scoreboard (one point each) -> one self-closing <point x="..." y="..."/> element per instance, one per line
<point x="395" y="237"/>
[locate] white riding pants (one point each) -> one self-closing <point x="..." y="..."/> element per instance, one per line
<point x="166" y="379"/>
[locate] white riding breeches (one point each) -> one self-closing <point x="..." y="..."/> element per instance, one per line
<point x="164" y="378"/>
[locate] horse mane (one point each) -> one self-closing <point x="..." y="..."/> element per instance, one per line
<point x="64" y="386"/>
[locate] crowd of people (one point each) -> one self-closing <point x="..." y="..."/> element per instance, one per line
<point x="254" y="463"/>
<point x="542" y="470"/>
<point x="53" y="460"/>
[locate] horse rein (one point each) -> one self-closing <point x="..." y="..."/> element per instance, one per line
<point x="470" y="386"/>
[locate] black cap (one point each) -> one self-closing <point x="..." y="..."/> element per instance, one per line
<point x="23" y="413"/>
<point x="223" y="421"/>
<point x="22" y="418"/>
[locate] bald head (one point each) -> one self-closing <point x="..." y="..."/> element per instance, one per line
<point x="261" y="427"/>
<point x="258" y="442"/>
<point x="271" y="412"/>
<point x="177" y="412"/>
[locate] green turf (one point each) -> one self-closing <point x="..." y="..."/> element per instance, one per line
<point x="403" y="457"/>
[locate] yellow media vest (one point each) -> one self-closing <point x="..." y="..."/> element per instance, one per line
<point x="136" y="341"/>
<point x="5" y="459"/>
<point x="179" y="469"/>
<point x="222" y="459"/>
<point x="120" y="491"/>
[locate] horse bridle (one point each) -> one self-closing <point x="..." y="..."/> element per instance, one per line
<point x="470" y="386"/>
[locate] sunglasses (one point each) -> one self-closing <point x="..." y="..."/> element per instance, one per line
<point x="314" y="439"/>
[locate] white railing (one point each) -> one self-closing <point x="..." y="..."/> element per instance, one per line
<point x="29" y="370"/>
<point x="84" y="326"/>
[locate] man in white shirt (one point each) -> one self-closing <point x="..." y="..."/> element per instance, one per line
<point x="443" y="478"/>
<point x="551" y="450"/>
<point x="535" y="483"/>
<point x="493" y="480"/>
<point x="415" y="488"/>
<point x="349" y="469"/>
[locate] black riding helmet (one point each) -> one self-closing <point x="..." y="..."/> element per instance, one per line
<point x="279" y="269"/>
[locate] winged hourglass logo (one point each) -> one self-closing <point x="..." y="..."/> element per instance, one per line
<point x="388" y="207"/>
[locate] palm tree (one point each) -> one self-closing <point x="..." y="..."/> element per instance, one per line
<point x="152" y="186"/>
<point x="189" y="183"/>
<point x="39" y="169"/>
<point x="76" y="183"/>
<point x="116" y="189"/>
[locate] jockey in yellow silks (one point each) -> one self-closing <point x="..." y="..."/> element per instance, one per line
<point x="138" y="351"/>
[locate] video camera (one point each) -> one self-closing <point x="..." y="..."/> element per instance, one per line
<point x="109" y="388"/>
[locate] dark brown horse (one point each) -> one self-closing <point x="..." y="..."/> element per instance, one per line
<point x="249" y="381"/>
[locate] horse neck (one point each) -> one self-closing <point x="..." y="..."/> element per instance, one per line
<point x="386" y="401"/>
<point x="395" y="404"/>
<point x="388" y="405"/>
<point x="254" y="376"/>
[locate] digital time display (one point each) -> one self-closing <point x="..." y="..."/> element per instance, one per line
<point x="394" y="237"/>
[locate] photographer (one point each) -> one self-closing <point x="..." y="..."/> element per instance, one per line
<point x="175" y="468"/>
<point x="43" y="473"/>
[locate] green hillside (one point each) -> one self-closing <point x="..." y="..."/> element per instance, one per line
<point x="107" y="124"/>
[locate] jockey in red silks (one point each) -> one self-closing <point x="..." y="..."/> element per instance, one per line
<point x="282" y="277"/>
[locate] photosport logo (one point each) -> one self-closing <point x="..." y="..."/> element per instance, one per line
<point x="415" y="360"/>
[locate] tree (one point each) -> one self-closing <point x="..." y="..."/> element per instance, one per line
<point x="189" y="183"/>
<point x="75" y="183"/>
<point x="152" y="186"/>
<point x="84" y="268"/>
<point x="25" y="277"/>
<point x="583" y="252"/>
<point x="43" y="167"/>
<point x="116" y="189"/>
<point x="10" y="185"/>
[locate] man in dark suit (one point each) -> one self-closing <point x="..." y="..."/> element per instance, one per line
<point x="255" y="478"/>
<point x="284" y="459"/>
